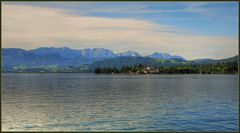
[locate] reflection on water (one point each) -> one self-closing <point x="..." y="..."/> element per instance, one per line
<point x="88" y="102"/>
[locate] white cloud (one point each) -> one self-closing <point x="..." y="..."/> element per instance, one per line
<point x="30" y="27"/>
<point x="213" y="14"/>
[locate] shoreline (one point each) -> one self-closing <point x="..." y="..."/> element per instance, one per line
<point x="115" y="73"/>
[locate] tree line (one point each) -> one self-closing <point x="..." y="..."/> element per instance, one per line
<point x="216" y="68"/>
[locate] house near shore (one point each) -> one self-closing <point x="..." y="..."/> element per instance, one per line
<point x="145" y="70"/>
<point x="148" y="70"/>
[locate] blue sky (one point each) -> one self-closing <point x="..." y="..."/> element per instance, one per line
<point x="196" y="20"/>
<point x="210" y="18"/>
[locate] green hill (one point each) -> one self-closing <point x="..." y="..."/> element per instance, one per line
<point x="119" y="62"/>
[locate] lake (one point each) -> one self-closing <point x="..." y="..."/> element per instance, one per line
<point x="90" y="102"/>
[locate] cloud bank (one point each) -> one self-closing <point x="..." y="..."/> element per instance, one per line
<point x="30" y="27"/>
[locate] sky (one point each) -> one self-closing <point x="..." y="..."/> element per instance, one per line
<point x="190" y="29"/>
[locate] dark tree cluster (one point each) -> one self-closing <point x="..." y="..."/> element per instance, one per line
<point x="125" y="69"/>
<point x="215" y="68"/>
<point x="106" y="70"/>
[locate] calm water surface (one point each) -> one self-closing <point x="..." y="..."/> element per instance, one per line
<point x="88" y="102"/>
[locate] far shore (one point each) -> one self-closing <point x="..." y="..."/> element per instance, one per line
<point x="115" y="73"/>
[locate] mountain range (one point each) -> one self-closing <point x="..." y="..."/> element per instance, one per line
<point x="66" y="56"/>
<point x="93" y="57"/>
<point x="89" y="53"/>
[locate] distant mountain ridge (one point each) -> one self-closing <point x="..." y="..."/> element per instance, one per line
<point x="164" y="56"/>
<point x="208" y="60"/>
<point x="129" y="53"/>
<point x="63" y="52"/>
<point x="14" y="57"/>
<point x="92" y="57"/>
<point x="97" y="53"/>
<point x="101" y="53"/>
